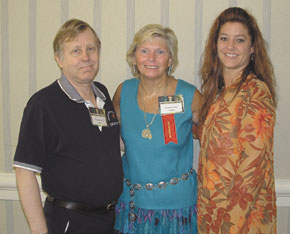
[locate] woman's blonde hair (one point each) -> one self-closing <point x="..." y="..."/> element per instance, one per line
<point x="149" y="32"/>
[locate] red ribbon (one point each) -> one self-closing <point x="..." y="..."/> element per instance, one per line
<point x="169" y="128"/>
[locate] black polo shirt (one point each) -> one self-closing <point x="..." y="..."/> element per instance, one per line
<point x="77" y="161"/>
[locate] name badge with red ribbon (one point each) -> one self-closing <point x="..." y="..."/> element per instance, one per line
<point x="168" y="106"/>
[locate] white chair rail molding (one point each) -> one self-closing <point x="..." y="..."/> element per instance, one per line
<point x="8" y="189"/>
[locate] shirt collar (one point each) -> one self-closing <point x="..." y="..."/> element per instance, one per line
<point x="73" y="94"/>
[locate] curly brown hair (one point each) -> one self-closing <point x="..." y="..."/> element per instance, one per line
<point x="211" y="71"/>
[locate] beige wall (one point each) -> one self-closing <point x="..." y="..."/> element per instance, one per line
<point x="26" y="63"/>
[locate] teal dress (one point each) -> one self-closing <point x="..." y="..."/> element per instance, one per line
<point x="160" y="186"/>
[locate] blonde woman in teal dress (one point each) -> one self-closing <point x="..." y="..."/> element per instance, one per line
<point x="157" y="113"/>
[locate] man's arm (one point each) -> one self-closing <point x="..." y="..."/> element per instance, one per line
<point x="30" y="198"/>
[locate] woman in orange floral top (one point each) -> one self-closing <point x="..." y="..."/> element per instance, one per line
<point x="236" y="192"/>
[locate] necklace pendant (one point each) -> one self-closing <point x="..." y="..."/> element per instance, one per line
<point x="146" y="133"/>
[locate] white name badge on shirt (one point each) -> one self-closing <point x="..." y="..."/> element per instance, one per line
<point x="98" y="117"/>
<point x="171" y="104"/>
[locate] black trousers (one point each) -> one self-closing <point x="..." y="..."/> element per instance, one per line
<point x="61" y="220"/>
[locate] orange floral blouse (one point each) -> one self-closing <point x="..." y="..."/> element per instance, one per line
<point x="236" y="187"/>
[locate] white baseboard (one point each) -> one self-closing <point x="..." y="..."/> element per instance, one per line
<point x="8" y="189"/>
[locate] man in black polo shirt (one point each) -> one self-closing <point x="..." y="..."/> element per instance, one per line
<point x="70" y="135"/>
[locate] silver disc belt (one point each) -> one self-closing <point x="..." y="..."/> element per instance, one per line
<point x="151" y="186"/>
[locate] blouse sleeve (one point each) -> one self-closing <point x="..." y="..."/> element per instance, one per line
<point x="252" y="187"/>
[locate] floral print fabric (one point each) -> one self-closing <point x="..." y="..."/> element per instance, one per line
<point x="236" y="190"/>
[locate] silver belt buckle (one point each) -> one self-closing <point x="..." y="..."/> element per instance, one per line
<point x="111" y="206"/>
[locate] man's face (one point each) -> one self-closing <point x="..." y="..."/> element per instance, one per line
<point x="79" y="58"/>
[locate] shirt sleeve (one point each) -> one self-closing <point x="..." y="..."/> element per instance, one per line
<point x="37" y="131"/>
